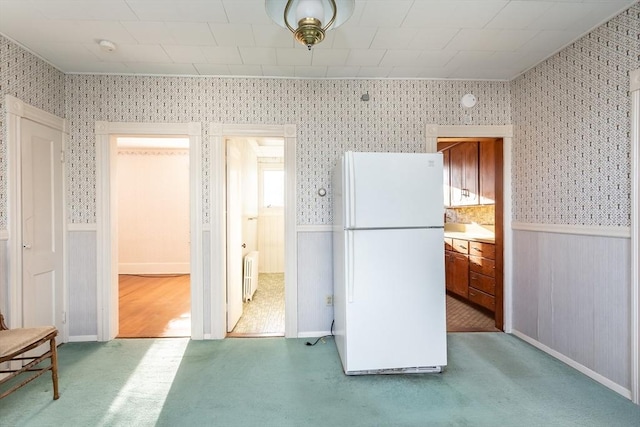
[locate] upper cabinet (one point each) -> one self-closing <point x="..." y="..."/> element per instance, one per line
<point x="469" y="172"/>
<point x="463" y="167"/>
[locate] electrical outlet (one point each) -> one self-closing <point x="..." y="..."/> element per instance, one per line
<point x="328" y="299"/>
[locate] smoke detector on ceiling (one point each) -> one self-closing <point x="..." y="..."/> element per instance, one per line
<point x="107" y="46"/>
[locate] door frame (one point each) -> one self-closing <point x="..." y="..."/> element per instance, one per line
<point x="218" y="244"/>
<point x="634" y="90"/>
<point x="16" y="111"/>
<point x="433" y="132"/>
<point x="106" y="218"/>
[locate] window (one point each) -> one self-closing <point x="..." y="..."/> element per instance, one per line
<point x="271" y="184"/>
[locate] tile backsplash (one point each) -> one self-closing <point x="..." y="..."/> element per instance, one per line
<point x="483" y="215"/>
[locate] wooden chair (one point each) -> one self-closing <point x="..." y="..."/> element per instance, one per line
<point x="15" y="343"/>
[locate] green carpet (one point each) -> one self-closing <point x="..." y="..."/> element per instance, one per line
<point x="492" y="379"/>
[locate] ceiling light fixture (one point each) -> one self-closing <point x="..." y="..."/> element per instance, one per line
<point x="314" y="17"/>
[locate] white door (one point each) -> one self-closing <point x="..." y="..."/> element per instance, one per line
<point x="234" y="234"/>
<point x="42" y="225"/>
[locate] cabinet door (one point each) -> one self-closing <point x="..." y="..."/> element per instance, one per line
<point x="463" y="162"/>
<point x="448" y="270"/>
<point x="460" y="274"/>
<point x="487" y="175"/>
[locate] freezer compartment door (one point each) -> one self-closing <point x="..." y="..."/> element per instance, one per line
<point x="394" y="300"/>
<point x="390" y="190"/>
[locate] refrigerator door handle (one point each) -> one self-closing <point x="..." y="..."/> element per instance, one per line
<point x="351" y="187"/>
<point x="350" y="266"/>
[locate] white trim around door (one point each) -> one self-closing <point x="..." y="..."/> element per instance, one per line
<point x="433" y="132"/>
<point x="635" y="235"/>
<point x="16" y="111"/>
<point x="107" y="268"/>
<point x="217" y="134"/>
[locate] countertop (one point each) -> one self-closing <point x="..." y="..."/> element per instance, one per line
<point x="473" y="232"/>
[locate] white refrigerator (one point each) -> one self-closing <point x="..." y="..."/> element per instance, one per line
<point x="388" y="255"/>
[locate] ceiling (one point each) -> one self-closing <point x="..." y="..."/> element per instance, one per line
<point x="437" y="39"/>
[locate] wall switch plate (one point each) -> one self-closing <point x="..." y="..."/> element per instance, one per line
<point x="328" y="300"/>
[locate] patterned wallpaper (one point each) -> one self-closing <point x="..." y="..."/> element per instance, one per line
<point x="329" y="115"/>
<point x="33" y="81"/>
<point x="571" y="155"/>
<point x="570" y="114"/>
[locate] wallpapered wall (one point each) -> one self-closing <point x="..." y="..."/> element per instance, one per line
<point x="329" y="115"/>
<point x="33" y="81"/>
<point x="571" y="156"/>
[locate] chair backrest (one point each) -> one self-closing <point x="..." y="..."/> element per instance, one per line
<point x="2" y="324"/>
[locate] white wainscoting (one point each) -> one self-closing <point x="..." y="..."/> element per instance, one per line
<point x="571" y="294"/>
<point x="82" y="281"/>
<point x="315" y="281"/>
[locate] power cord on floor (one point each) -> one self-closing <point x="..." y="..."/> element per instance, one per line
<point x="321" y="338"/>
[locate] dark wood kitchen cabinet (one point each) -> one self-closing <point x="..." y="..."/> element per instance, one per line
<point x="487" y="172"/>
<point x="457" y="266"/>
<point x="464" y="170"/>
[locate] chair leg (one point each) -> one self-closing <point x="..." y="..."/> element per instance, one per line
<point x="54" y="367"/>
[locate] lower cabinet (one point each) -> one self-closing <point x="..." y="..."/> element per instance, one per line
<point x="470" y="271"/>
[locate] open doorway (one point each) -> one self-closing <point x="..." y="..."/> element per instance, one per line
<point x="473" y="200"/>
<point x="152" y="194"/>
<point x="255" y="189"/>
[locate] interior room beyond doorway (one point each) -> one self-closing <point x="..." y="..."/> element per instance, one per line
<point x="153" y="237"/>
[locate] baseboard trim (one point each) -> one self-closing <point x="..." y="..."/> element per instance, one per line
<point x="83" y="338"/>
<point x="577" y="366"/>
<point x="583" y="230"/>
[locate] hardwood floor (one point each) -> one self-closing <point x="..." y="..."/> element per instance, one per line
<point x="154" y="306"/>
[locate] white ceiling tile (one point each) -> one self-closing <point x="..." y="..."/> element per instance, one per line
<point x="162" y="68"/>
<point x="384" y="13"/>
<point x="365" y="57"/>
<point x="246" y="70"/>
<point x="291" y="56"/>
<point x="491" y="39"/>
<point x="272" y="36"/>
<point x="258" y="55"/>
<point x="184" y="54"/>
<point x="246" y="12"/>
<point x="19" y="11"/>
<point x="342" y="72"/>
<point x="431" y="38"/>
<point x="80" y="32"/>
<point x="179" y="11"/>
<point x="149" y="32"/>
<point x="116" y="10"/>
<point x="400" y="58"/>
<point x="222" y="55"/>
<point x="194" y="33"/>
<point x="353" y="37"/>
<point x="212" y="69"/>
<point x="548" y="40"/>
<point x="278" y="71"/>
<point x="232" y="34"/>
<point x="68" y="52"/>
<point x="393" y="38"/>
<point x="310" y="72"/>
<point x="435" y="58"/>
<point x="403" y="72"/>
<point x="452" y="13"/>
<point x="562" y="16"/>
<point x="330" y="57"/>
<point x="374" y="72"/>
<point x="519" y="14"/>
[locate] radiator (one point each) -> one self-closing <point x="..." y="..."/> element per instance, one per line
<point x="250" y="278"/>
